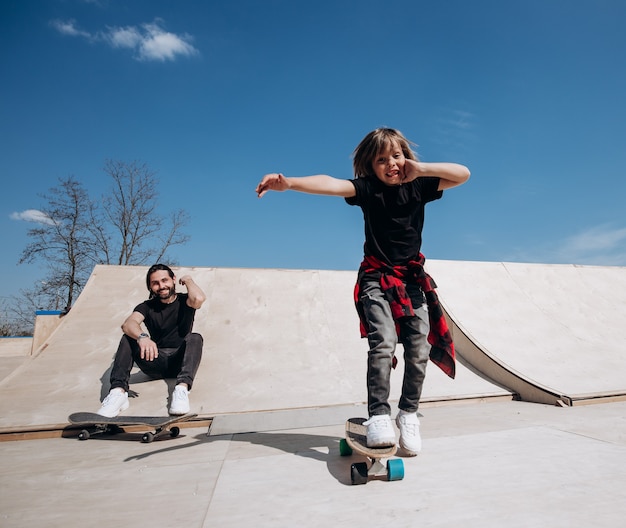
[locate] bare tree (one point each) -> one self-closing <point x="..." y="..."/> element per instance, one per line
<point x="74" y="233"/>
<point x="64" y="240"/>
<point x="9" y="324"/>
<point x="42" y="296"/>
<point x="134" y="231"/>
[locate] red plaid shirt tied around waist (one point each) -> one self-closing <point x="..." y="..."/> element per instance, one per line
<point x="392" y="282"/>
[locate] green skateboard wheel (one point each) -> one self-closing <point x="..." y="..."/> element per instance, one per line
<point x="344" y="448"/>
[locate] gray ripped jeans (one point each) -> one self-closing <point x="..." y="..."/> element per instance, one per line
<point x="383" y="338"/>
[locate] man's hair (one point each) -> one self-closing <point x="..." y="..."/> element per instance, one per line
<point x="375" y="142"/>
<point x="157" y="267"/>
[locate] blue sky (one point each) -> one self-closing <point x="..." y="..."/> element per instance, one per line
<point x="529" y="94"/>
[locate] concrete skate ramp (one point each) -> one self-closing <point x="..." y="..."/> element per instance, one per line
<point x="279" y="345"/>
<point x="13" y="352"/>
<point x="551" y="333"/>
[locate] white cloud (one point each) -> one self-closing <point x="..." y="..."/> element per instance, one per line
<point x="454" y="128"/>
<point x="68" y="27"/>
<point x="124" y="37"/>
<point x="600" y="238"/>
<point x="460" y="119"/>
<point x="148" y="41"/>
<point x="33" y="215"/>
<point x="158" y="44"/>
<point x="604" y="244"/>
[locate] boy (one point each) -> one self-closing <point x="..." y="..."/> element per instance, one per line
<point x="392" y="187"/>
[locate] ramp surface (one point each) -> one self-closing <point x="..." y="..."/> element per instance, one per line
<point x="280" y="346"/>
<point x="549" y="332"/>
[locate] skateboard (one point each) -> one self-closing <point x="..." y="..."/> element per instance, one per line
<point x="95" y="424"/>
<point x="380" y="465"/>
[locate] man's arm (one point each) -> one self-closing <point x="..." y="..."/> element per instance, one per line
<point x="132" y="326"/>
<point x="318" y="184"/>
<point x="133" y="329"/>
<point x="449" y="174"/>
<point x="195" y="295"/>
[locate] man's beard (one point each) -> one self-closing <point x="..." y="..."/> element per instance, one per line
<point x="166" y="293"/>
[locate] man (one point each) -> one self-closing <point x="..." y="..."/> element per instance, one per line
<point x="168" y="350"/>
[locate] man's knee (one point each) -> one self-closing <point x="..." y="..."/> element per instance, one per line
<point x="194" y="342"/>
<point x="195" y="339"/>
<point x="127" y="345"/>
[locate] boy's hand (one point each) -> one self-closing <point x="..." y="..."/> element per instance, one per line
<point x="411" y="171"/>
<point x="272" y="182"/>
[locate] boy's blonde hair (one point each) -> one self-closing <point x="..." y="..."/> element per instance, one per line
<point x="375" y="142"/>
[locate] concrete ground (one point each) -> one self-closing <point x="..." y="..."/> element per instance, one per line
<point x="282" y="370"/>
<point x="513" y="464"/>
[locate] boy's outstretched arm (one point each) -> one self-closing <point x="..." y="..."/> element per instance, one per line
<point x="319" y="184"/>
<point x="449" y="174"/>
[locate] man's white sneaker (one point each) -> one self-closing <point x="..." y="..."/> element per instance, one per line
<point x="116" y="401"/>
<point x="380" y="431"/>
<point x="409" y="426"/>
<point x="180" y="400"/>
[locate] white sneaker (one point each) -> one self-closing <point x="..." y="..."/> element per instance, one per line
<point x="409" y="426"/>
<point x="116" y="401"/>
<point x="380" y="432"/>
<point x="180" y="400"/>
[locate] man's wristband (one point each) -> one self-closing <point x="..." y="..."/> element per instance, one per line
<point x="142" y="335"/>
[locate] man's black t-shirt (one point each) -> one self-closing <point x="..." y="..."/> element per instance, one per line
<point x="394" y="216"/>
<point x="168" y="324"/>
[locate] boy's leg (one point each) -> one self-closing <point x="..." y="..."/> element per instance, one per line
<point x="382" y="340"/>
<point x="414" y="338"/>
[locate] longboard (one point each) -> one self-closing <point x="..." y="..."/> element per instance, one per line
<point x="96" y="424"/>
<point x="380" y="463"/>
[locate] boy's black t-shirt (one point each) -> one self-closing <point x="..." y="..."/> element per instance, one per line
<point x="168" y="324"/>
<point x="394" y="216"/>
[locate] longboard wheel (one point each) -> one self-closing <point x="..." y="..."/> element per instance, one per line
<point x="344" y="448"/>
<point x="358" y="473"/>
<point x="84" y="435"/>
<point x="147" y="438"/>
<point x="174" y="431"/>
<point x="395" y="469"/>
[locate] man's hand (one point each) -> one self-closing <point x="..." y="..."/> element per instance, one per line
<point x="148" y="349"/>
<point x="195" y="296"/>
<point x="272" y="182"/>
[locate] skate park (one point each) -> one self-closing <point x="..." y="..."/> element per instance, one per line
<point x="531" y="432"/>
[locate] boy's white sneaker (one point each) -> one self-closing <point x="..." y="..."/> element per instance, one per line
<point x="380" y="431"/>
<point x="116" y="401"/>
<point x="409" y="426"/>
<point x="180" y="400"/>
